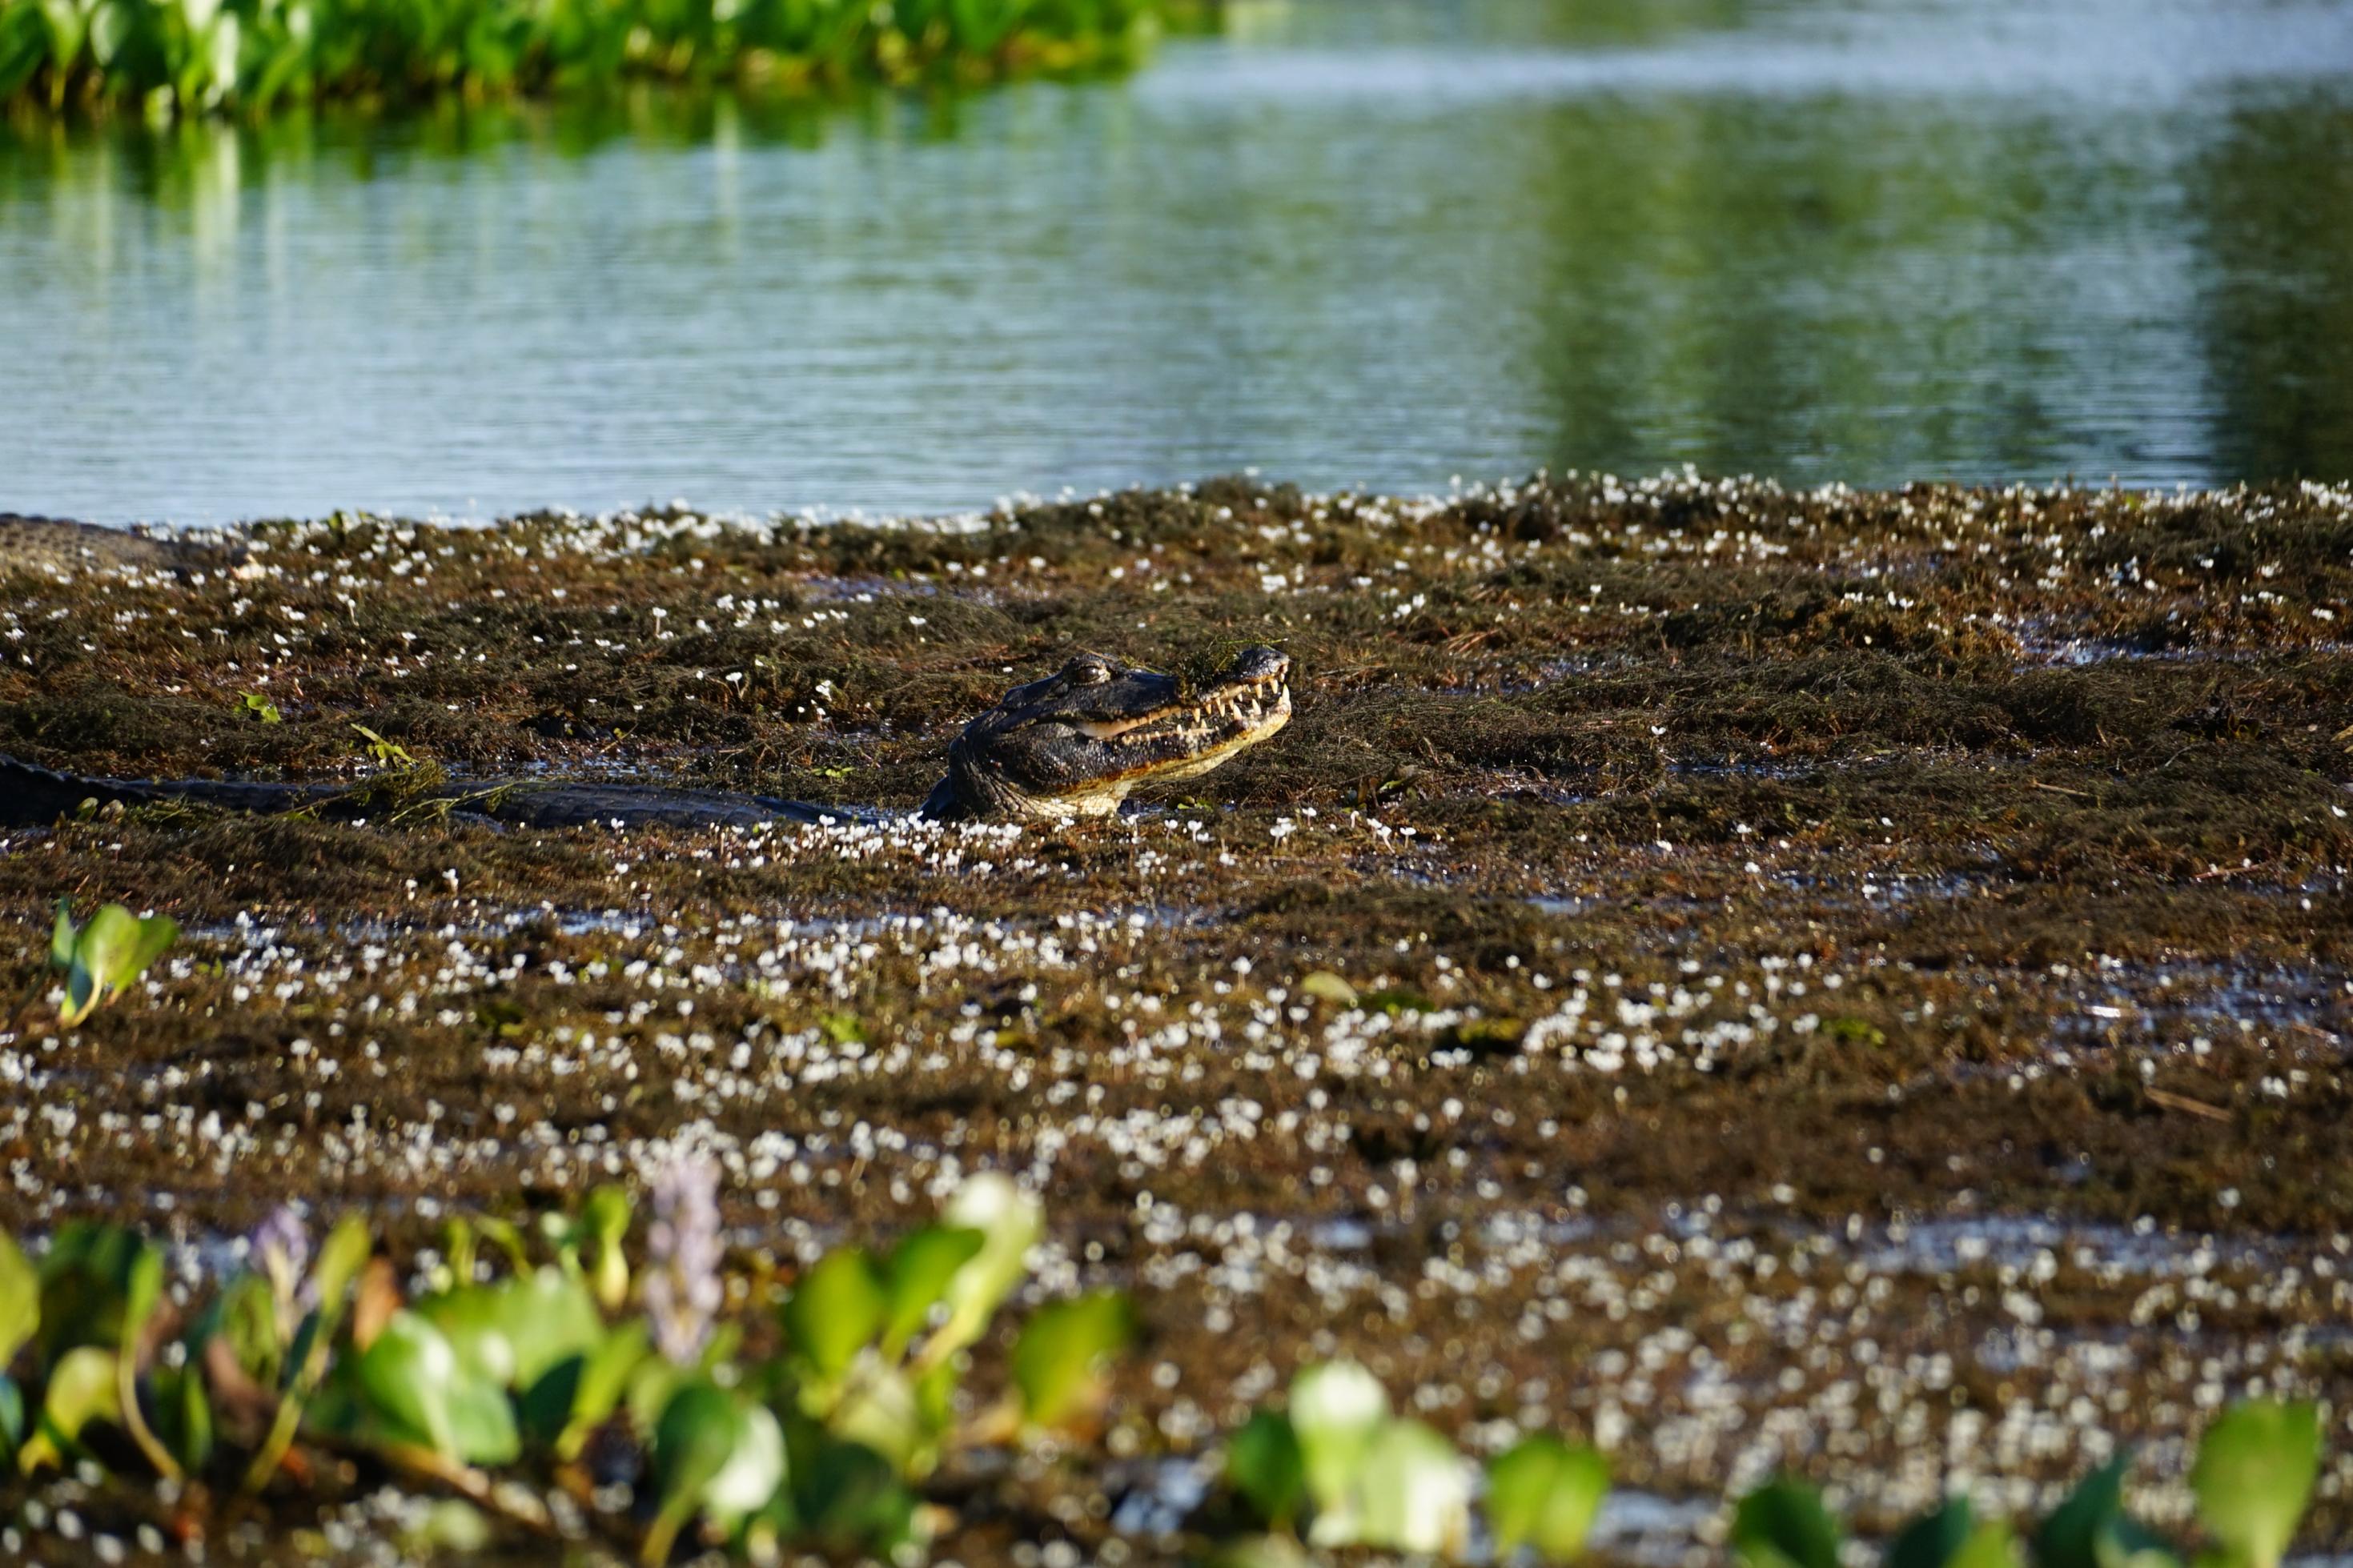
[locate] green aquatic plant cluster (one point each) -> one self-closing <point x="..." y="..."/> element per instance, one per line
<point x="565" y="1346"/>
<point x="2253" y="1475"/>
<point x="564" y="1361"/>
<point x="248" y="57"/>
<point x="1339" y="1470"/>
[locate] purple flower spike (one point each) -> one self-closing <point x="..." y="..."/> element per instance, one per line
<point x="682" y="1290"/>
<point x="279" y="1250"/>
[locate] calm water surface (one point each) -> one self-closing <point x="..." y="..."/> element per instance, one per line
<point x="1349" y="243"/>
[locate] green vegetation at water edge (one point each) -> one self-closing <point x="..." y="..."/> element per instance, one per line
<point x="579" y="1364"/>
<point x="172" y="56"/>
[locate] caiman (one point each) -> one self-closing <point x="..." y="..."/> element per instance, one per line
<point x="1073" y="744"/>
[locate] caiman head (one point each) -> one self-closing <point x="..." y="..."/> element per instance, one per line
<point x="1074" y="743"/>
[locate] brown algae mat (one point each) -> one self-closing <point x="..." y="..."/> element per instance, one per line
<point x="1851" y="981"/>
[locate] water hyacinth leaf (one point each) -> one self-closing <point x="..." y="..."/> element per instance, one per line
<point x="61" y="937"/>
<point x="1990" y="1545"/>
<point x="1545" y="1493"/>
<point x="603" y="1379"/>
<point x="92" y="1279"/>
<point x="1010" y="1222"/>
<point x="1059" y="1361"/>
<point x="693" y="1441"/>
<point x="82" y="1389"/>
<point x="1935" y="1539"/>
<point x="340" y="1259"/>
<point x="20" y="1299"/>
<point x="918" y="1274"/>
<point x="2091" y="1529"/>
<point x="881" y="1411"/>
<point x="418" y="1390"/>
<point x="835" y="1309"/>
<point x="1264" y="1464"/>
<point x="512" y="1333"/>
<point x="751" y="1473"/>
<point x="1413" y="1491"/>
<point x="183" y="1416"/>
<point x="1336" y="1410"/>
<point x="851" y="1498"/>
<point x="109" y="954"/>
<point x="1782" y="1524"/>
<point x="12" y="1418"/>
<point x="2253" y="1475"/>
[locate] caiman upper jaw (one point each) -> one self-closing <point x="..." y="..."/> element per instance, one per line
<point x="1076" y="743"/>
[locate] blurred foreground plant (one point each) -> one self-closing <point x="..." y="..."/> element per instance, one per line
<point x="523" y="1371"/>
<point x="101" y="959"/>
<point x="2253" y="1477"/>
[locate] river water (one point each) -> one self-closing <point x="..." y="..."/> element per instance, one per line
<point x="1348" y="242"/>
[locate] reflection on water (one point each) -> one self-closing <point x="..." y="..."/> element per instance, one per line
<point x="1350" y="243"/>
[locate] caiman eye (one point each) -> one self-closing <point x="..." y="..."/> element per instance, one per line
<point x="1087" y="670"/>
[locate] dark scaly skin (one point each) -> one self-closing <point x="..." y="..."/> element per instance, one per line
<point x="1073" y="744"/>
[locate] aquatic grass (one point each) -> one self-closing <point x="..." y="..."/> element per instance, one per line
<point x="166" y="57"/>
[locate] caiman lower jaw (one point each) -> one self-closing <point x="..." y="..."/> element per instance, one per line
<point x="1103" y="796"/>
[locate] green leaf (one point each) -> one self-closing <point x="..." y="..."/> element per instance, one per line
<point x="1935" y="1539"/>
<point x="2253" y="1475"/>
<point x="851" y="1498"/>
<point x="20" y="1299"/>
<point x="1990" y="1545"/>
<point x="1335" y="1411"/>
<point x="751" y="1473"/>
<point x="1010" y="1222"/>
<point x="93" y="1278"/>
<point x="1782" y="1524"/>
<point x="917" y="1277"/>
<point x="109" y="954"/>
<point x="882" y="1410"/>
<point x="1412" y="1492"/>
<point x="184" y="1414"/>
<point x="61" y="937"/>
<point x="12" y="1418"/>
<point x="2091" y="1529"/>
<point x="341" y="1258"/>
<point x="1059" y="1361"/>
<point x="513" y="1332"/>
<point x="1545" y="1494"/>
<point x="81" y="1390"/>
<point x="604" y="1380"/>
<point x="1264" y="1463"/>
<point x="415" y="1387"/>
<point x="695" y="1443"/>
<point x="835" y="1309"/>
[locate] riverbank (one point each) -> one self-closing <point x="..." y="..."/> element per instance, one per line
<point x="165" y="61"/>
<point x="1852" y="980"/>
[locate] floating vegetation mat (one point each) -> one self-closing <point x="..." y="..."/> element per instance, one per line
<point x="1850" y="983"/>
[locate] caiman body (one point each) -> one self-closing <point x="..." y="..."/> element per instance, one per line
<point x="1073" y="744"/>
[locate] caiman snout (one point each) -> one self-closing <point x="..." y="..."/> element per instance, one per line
<point x="1076" y="744"/>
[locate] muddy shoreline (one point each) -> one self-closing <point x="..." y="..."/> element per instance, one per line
<point x="1851" y="980"/>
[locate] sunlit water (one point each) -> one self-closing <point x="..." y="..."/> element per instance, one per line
<point x="1349" y="243"/>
